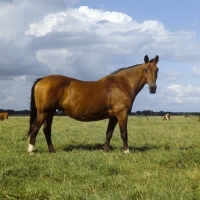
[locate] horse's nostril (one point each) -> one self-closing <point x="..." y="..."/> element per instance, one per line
<point x="152" y="90"/>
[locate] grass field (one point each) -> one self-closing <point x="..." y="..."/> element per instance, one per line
<point x="164" y="162"/>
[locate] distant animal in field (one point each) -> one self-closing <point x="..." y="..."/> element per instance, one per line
<point x="186" y="115"/>
<point x="166" y="117"/>
<point x="110" y="97"/>
<point x="4" y="116"/>
<point x="199" y="118"/>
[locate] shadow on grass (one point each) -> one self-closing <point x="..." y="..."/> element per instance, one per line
<point x="92" y="147"/>
<point x="143" y="148"/>
<point x="88" y="147"/>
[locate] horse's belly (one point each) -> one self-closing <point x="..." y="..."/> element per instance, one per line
<point x="87" y="116"/>
<point x="83" y="119"/>
<point x="87" y="110"/>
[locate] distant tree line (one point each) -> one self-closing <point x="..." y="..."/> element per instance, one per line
<point x="162" y="113"/>
<point x="13" y="112"/>
<point x="140" y="113"/>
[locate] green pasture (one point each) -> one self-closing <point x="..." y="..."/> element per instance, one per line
<point x="164" y="162"/>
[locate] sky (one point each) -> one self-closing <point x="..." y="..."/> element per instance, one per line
<point x="89" y="39"/>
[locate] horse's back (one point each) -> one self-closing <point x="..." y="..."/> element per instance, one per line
<point x="55" y="85"/>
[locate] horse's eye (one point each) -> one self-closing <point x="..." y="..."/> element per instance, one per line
<point x="145" y="70"/>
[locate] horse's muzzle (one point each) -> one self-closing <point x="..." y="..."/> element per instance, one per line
<point x="152" y="89"/>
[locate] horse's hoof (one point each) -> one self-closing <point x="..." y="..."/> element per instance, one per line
<point x="126" y="151"/>
<point x="31" y="148"/>
<point x="106" y="149"/>
<point x="52" y="151"/>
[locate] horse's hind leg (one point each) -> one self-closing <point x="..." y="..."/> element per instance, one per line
<point x="111" y="126"/>
<point x="34" y="131"/>
<point x="47" y="132"/>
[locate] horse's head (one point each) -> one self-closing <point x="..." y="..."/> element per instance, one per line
<point x="150" y="72"/>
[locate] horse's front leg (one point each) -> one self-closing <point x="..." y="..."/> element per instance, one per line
<point x="122" y="121"/>
<point x="111" y="126"/>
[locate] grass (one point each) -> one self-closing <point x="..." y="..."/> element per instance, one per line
<point x="164" y="162"/>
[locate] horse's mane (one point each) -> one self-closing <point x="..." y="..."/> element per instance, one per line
<point x="124" y="69"/>
<point x="152" y="60"/>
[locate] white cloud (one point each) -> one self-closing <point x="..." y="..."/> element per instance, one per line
<point x="15" y="93"/>
<point x="104" y="40"/>
<point x="195" y="23"/>
<point x="83" y="17"/>
<point x="169" y="75"/>
<point x="84" y="26"/>
<point x="181" y="94"/>
<point x="195" y="70"/>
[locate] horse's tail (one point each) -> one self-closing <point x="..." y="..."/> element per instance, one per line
<point x="33" y="109"/>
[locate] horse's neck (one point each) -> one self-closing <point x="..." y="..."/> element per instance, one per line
<point x="135" y="78"/>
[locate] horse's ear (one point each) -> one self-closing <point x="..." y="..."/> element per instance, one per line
<point x="146" y="59"/>
<point x="156" y="58"/>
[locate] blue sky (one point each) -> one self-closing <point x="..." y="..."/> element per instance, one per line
<point x="88" y="39"/>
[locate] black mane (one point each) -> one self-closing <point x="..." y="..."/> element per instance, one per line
<point x="124" y="68"/>
<point x="152" y="60"/>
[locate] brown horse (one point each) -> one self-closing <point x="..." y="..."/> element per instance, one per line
<point x="110" y="97"/>
<point x="4" y="116"/>
<point x="166" y="117"/>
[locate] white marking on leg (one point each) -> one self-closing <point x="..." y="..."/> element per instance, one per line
<point x="30" y="148"/>
<point x="127" y="151"/>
